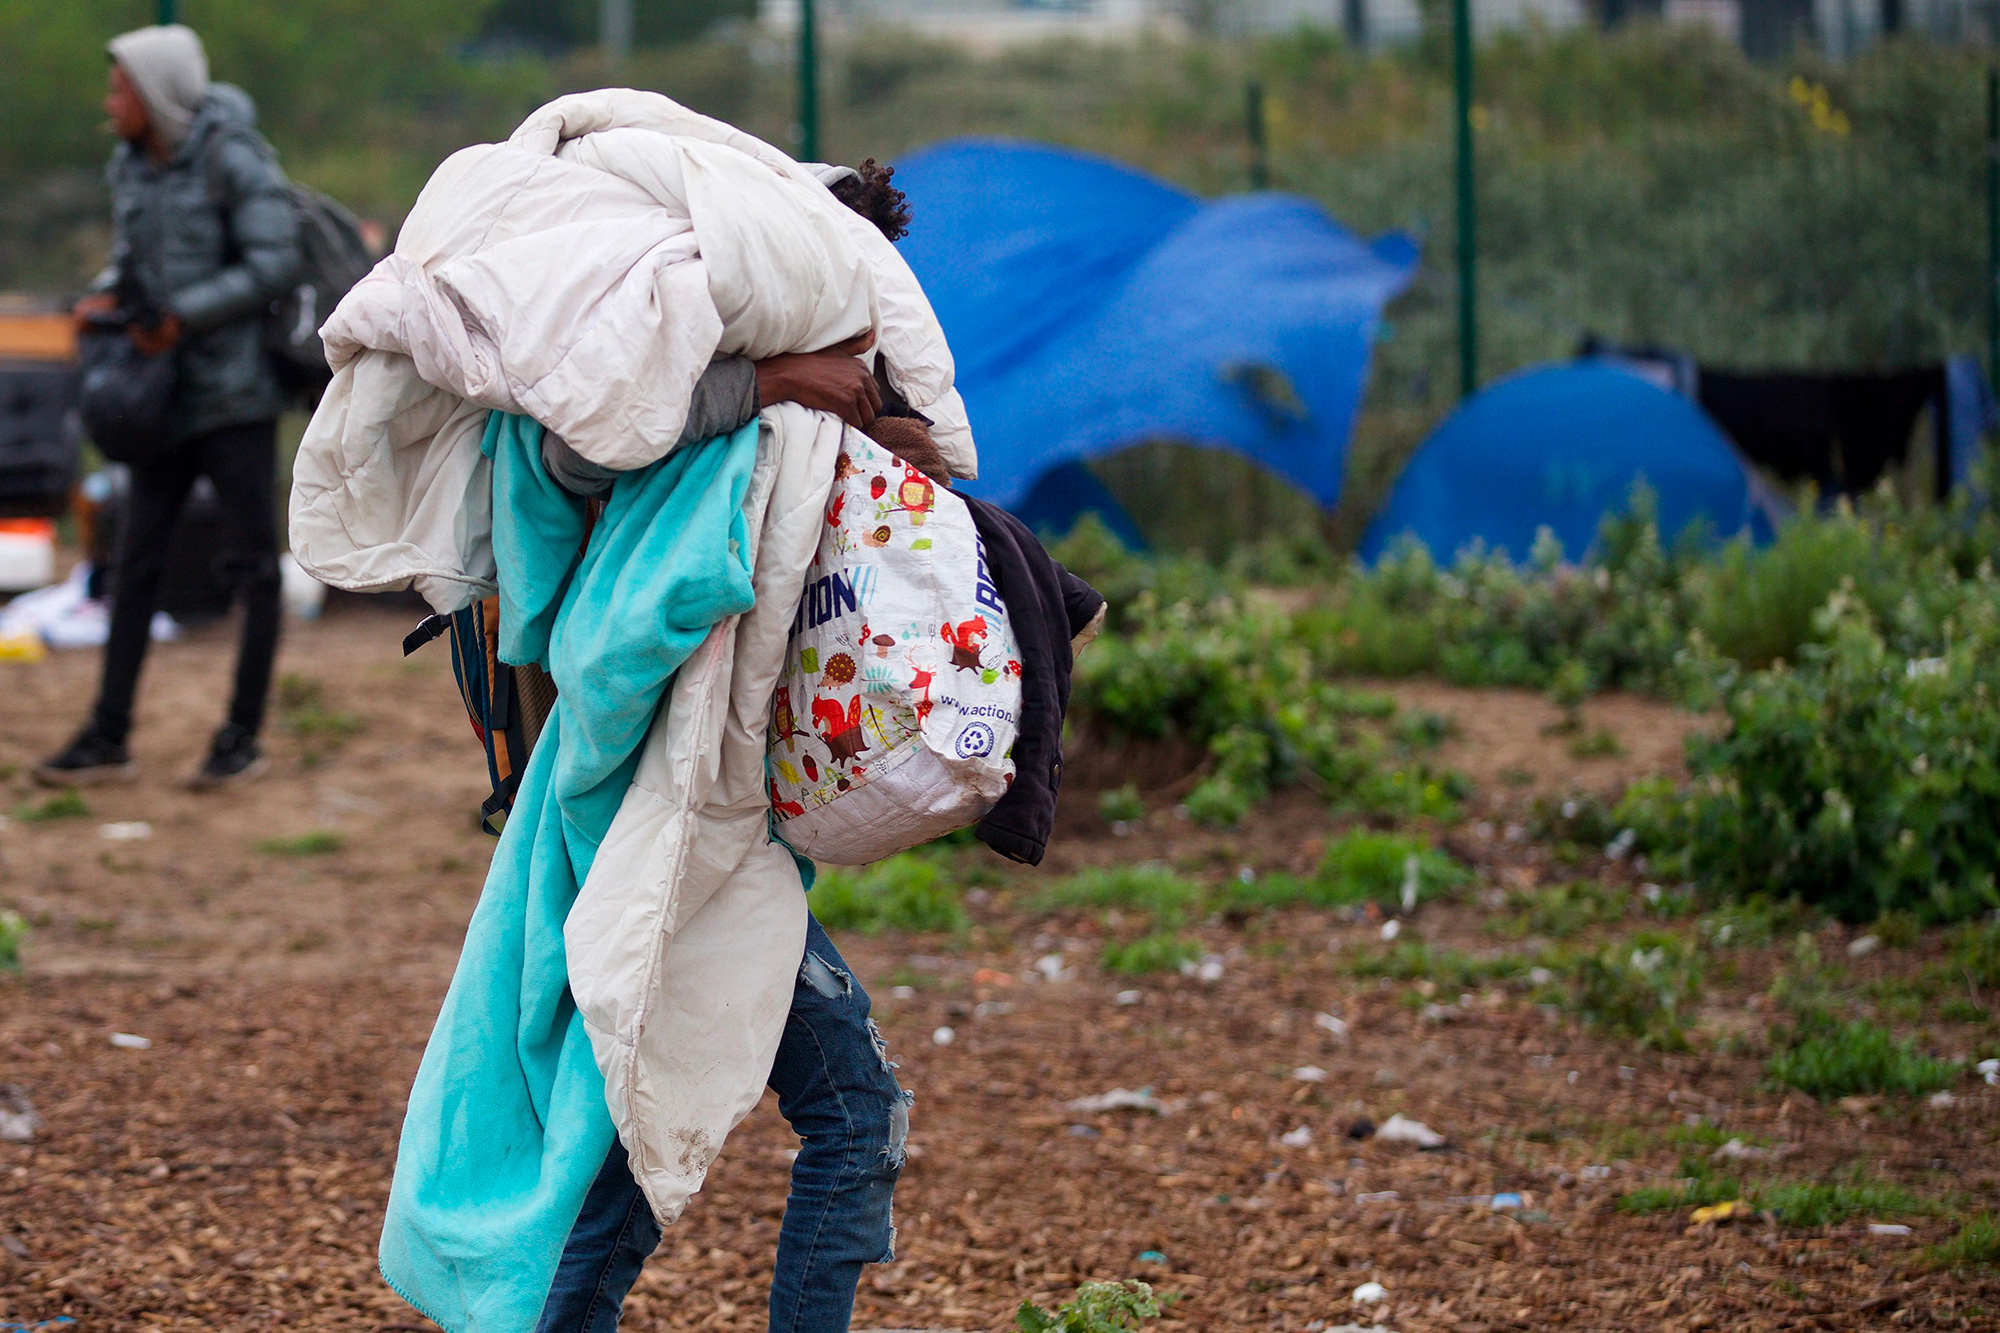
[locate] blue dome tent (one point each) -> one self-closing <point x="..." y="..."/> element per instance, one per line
<point x="1562" y="447"/>
<point x="1091" y="307"/>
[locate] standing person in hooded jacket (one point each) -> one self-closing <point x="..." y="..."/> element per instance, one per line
<point x="205" y="237"/>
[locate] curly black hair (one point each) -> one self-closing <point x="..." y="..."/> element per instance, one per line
<point x="871" y="195"/>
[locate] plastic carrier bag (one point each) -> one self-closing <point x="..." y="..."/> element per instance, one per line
<point x="895" y="713"/>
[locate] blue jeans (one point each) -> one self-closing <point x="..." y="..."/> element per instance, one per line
<point x="835" y="1086"/>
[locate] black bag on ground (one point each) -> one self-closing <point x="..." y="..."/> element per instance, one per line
<point x="125" y="396"/>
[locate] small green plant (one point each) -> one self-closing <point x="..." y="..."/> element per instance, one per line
<point x="909" y="891"/>
<point x="1796" y="1203"/>
<point x="1162" y="896"/>
<point x="1645" y="988"/>
<point x="1220" y="802"/>
<point x="1562" y="911"/>
<point x="1121" y="805"/>
<point x="319" y="842"/>
<point x="1976" y="1244"/>
<point x="1826" y="1059"/>
<point x="1569" y="686"/>
<point x="1819" y="1203"/>
<point x="66" y="804"/>
<point x="303" y="711"/>
<point x="1390" y="868"/>
<point x="13" y="934"/>
<point x="1422" y="729"/>
<point x="1598" y="744"/>
<point x="1697" y="1187"/>
<point x="1098" y="1307"/>
<point x="1158" y="951"/>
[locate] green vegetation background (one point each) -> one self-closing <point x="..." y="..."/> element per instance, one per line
<point x="1651" y="186"/>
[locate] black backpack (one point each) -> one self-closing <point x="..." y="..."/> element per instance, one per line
<point x="332" y="258"/>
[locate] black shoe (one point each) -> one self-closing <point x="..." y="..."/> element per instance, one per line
<point x="90" y="759"/>
<point x="233" y="758"/>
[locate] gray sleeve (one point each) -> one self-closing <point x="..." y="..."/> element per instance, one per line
<point x="724" y="399"/>
<point x="264" y="222"/>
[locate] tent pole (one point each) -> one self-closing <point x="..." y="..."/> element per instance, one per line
<point x="1468" y="251"/>
<point x="1993" y="224"/>
<point x="1253" y="121"/>
<point x="167" y="12"/>
<point x="808" y="84"/>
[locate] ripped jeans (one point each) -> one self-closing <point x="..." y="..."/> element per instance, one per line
<point x="836" y="1088"/>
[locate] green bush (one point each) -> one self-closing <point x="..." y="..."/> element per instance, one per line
<point x="1827" y="1060"/>
<point x="1159" y="951"/>
<point x="909" y="891"/>
<point x="1099" y="1307"/>
<point x="1976" y="1244"/>
<point x="1153" y="891"/>
<point x="1859" y="781"/>
<point x="1646" y="988"/>
<point x="1363" y="866"/>
<point x="13" y="934"/>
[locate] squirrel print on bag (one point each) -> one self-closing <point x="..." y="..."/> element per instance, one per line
<point x="966" y="639"/>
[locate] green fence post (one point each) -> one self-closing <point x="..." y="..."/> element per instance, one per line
<point x="808" y="85"/>
<point x="1253" y="123"/>
<point x="1468" y="249"/>
<point x="167" y="13"/>
<point x="1993" y="224"/>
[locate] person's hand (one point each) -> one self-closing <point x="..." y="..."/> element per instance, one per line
<point x="832" y="380"/>
<point x="97" y="303"/>
<point x="159" y="338"/>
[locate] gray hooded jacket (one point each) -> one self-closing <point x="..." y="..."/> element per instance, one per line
<point x="210" y="235"/>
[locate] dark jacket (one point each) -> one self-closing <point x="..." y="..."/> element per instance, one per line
<point x="1047" y="606"/>
<point x="210" y="235"/>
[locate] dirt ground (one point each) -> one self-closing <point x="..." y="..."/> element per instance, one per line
<point x="231" y="1175"/>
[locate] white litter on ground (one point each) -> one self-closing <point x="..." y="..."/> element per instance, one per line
<point x="1399" y="1128"/>
<point x="130" y="830"/>
<point x="126" y="1041"/>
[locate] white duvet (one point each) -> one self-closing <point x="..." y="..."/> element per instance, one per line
<point x="585" y="273"/>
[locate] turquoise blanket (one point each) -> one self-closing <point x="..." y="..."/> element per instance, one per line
<point x="507" y="1126"/>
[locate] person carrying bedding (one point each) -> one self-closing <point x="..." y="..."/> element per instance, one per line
<point x="634" y="304"/>
<point x="835" y="1086"/>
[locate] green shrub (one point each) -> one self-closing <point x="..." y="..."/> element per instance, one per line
<point x="1976" y="1244"/>
<point x="1362" y="866"/>
<point x="1646" y="988"/>
<point x="1121" y="805"/>
<point x="13" y="934"/>
<point x="1796" y="1203"/>
<point x="1827" y="1060"/>
<point x="1819" y="1203"/>
<point x="1159" y="951"/>
<point x="1448" y="969"/>
<point x="1153" y="891"/>
<point x="1562" y="911"/>
<point x="1098" y="1307"/>
<point x="909" y="891"/>
<point x="1858" y="781"/>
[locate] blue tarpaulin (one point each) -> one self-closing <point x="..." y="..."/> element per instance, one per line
<point x="1561" y="447"/>
<point x="1091" y="307"/>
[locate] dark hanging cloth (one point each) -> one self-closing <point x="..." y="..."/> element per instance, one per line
<point x="1047" y="606"/>
<point x="1841" y="431"/>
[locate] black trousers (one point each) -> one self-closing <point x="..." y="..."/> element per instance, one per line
<point x="241" y="463"/>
